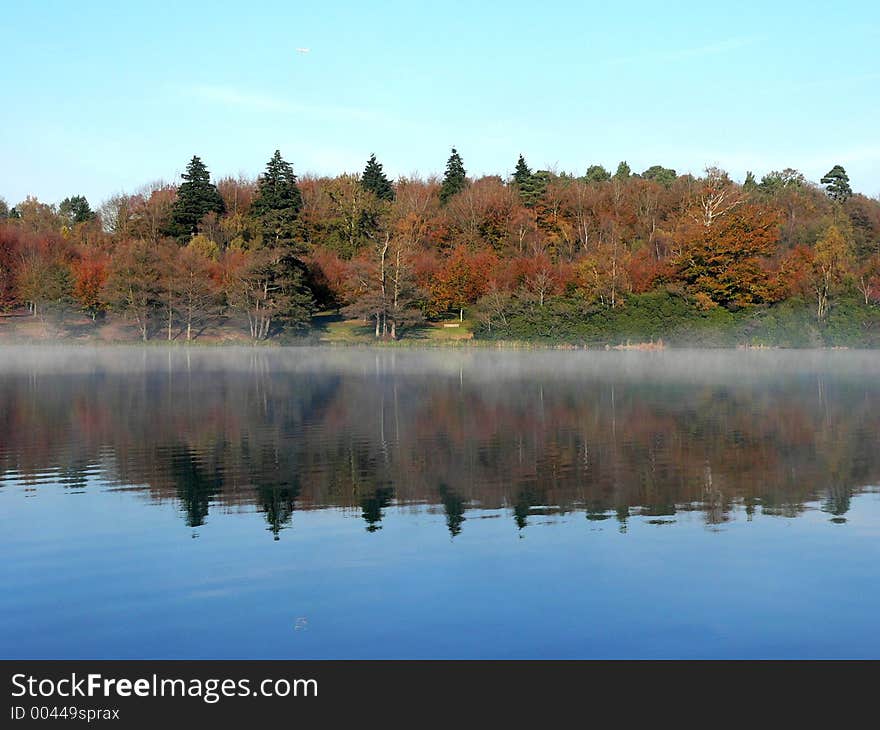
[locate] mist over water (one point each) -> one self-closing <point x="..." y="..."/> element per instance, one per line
<point x="320" y="502"/>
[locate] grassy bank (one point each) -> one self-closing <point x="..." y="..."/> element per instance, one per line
<point x="678" y="323"/>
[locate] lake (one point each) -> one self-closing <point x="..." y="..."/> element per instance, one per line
<point x="454" y="503"/>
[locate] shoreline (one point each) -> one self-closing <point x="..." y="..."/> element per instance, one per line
<point x="413" y="344"/>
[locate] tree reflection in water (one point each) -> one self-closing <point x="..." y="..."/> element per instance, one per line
<point x="285" y="430"/>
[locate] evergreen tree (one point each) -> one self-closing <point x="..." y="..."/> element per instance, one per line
<point x="836" y="183"/>
<point x="750" y="184"/>
<point x="774" y="181"/>
<point x="597" y="173"/>
<point x="75" y="210"/>
<point x="375" y="181"/>
<point x="455" y="179"/>
<point x="278" y="203"/>
<point x="196" y="197"/>
<point x="530" y="185"/>
<point x="522" y="175"/>
<point x="663" y="175"/>
<point x="623" y="171"/>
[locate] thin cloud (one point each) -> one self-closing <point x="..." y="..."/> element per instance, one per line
<point x="837" y="81"/>
<point x="229" y="96"/>
<point x="711" y="49"/>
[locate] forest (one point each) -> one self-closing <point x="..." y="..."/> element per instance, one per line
<point x="534" y="255"/>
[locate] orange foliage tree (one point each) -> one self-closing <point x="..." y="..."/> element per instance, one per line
<point x="725" y="262"/>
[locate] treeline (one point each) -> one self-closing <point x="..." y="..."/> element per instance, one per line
<point x="527" y="255"/>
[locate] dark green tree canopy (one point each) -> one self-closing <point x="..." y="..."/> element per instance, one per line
<point x="776" y="180"/>
<point x="597" y="173"/>
<point x="750" y="183"/>
<point x="196" y="197"/>
<point x="278" y="202"/>
<point x="836" y="183"/>
<point x="522" y="174"/>
<point x="455" y="179"/>
<point x="623" y="171"/>
<point x="75" y="210"/>
<point x="663" y="175"/>
<point x="530" y="185"/>
<point x="375" y="181"/>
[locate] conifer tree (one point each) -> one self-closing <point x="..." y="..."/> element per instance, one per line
<point x="597" y="173"/>
<point x="196" y="197"/>
<point x="530" y="185"/>
<point x="278" y="203"/>
<point x="375" y="181"/>
<point x="455" y="179"/>
<point x="623" y="171"/>
<point x="663" y="175"/>
<point x="522" y="175"/>
<point x="75" y="209"/>
<point x="836" y="183"/>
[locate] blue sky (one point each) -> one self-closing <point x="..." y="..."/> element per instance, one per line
<point x="102" y="97"/>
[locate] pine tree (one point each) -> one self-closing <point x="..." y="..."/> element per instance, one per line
<point x="597" y="173"/>
<point x="623" y="171"/>
<point x="375" y="181"/>
<point x="530" y="185"/>
<point x="196" y="197"/>
<point x="523" y="174"/>
<point x="75" y="209"/>
<point x="455" y="179"/>
<point x="750" y="184"/>
<point x="663" y="175"/>
<point x="278" y="203"/>
<point x="836" y="183"/>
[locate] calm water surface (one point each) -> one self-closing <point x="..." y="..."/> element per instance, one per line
<point x="322" y="503"/>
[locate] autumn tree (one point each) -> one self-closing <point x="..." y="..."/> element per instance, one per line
<point x="868" y="278"/>
<point x="831" y="261"/>
<point x="196" y="197"/>
<point x="37" y="217"/>
<point x="196" y="289"/>
<point x="43" y="275"/>
<point x="116" y="215"/>
<point x="134" y="286"/>
<point x="725" y="262"/>
<point x="491" y="309"/>
<point x="459" y="282"/>
<point x="375" y="181"/>
<point x="603" y="274"/>
<point x="717" y="197"/>
<point x="89" y="280"/>
<point x="455" y="179"/>
<point x="385" y="287"/>
<point x="10" y="245"/>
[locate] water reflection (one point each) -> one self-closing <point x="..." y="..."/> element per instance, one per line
<point x="610" y="435"/>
